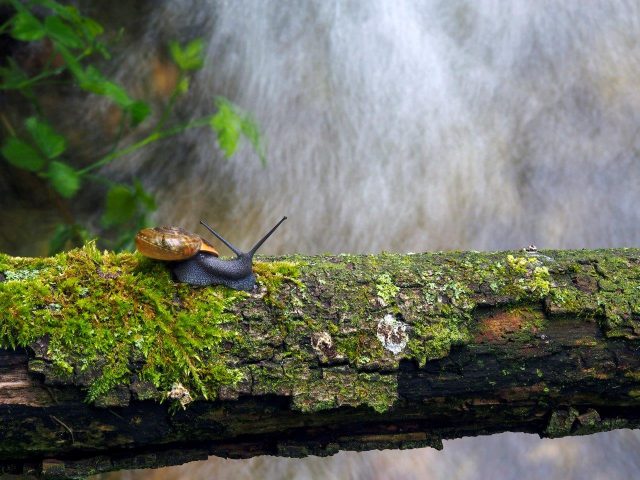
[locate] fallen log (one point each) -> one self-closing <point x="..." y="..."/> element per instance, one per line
<point x="107" y="364"/>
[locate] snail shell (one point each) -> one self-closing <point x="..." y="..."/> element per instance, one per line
<point x="171" y="243"/>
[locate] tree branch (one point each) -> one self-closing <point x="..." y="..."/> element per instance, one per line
<point x="108" y="364"/>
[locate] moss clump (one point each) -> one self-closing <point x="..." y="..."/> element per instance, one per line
<point x="449" y="314"/>
<point x="273" y="274"/>
<point x="604" y="286"/>
<point x="433" y="339"/>
<point x="343" y="387"/>
<point x="385" y="289"/>
<point x="619" y="296"/>
<point x="528" y="276"/>
<point x="102" y="315"/>
<point x="561" y="422"/>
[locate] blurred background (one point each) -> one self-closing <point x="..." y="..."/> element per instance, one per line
<point x="373" y="125"/>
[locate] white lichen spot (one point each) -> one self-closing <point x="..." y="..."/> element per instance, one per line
<point x="181" y="394"/>
<point x="392" y="334"/>
<point x="322" y="344"/>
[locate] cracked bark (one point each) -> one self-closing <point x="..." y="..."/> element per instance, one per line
<point x="388" y="351"/>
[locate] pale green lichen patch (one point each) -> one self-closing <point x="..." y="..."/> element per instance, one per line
<point x="23" y="274"/>
<point x="514" y="276"/>
<point x="386" y="290"/>
<point x="533" y="277"/>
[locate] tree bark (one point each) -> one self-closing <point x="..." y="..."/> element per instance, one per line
<point x="108" y="364"/>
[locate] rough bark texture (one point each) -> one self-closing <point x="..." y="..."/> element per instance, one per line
<point x="103" y="354"/>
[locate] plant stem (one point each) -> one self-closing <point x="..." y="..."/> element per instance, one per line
<point x="153" y="137"/>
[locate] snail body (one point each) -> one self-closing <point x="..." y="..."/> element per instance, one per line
<point x="204" y="269"/>
<point x="200" y="265"/>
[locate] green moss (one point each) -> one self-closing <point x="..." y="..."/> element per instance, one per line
<point x="100" y="313"/>
<point x="273" y="274"/>
<point x="433" y="338"/>
<point x="569" y="301"/>
<point x="526" y="275"/>
<point x="561" y="422"/>
<point x="339" y="387"/>
<point x="446" y="323"/>
<point x="359" y="347"/>
<point x="604" y="286"/>
<point x="533" y="321"/>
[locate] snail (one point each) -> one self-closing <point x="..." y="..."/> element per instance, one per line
<point x="193" y="260"/>
<point x="171" y="243"/>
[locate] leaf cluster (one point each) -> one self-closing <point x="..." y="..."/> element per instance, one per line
<point x="76" y="48"/>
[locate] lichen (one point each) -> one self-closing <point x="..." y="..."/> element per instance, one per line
<point x="392" y="334"/>
<point x="385" y="289"/>
<point x="528" y="275"/>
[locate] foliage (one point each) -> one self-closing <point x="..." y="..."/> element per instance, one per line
<point x="37" y="148"/>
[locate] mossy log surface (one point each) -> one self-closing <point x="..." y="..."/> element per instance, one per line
<point x="106" y="363"/>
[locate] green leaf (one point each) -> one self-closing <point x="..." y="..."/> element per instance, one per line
<point x="12" y="75"/>
<point x="22" y="155"/>
<point x="227" y="124"/>
<point x="191" y="57"/>
<point x="68" y="12"/>
<point x="49" y="142"/>
<point x="120" y="206"/>
<point x="26" y="27"/>
<point x="139" y="112"/>
<point x="251" y="132"/>
<point x="64" y="179"/>
<point x="92" y="29"/>
<point x="183" y="86"/>
<point x="102" y="50"/>
<point x="72" y="63"/>
<point x="61" y="32"/>
<point x="136" y="204"/>
<point x="95" y="82"/>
